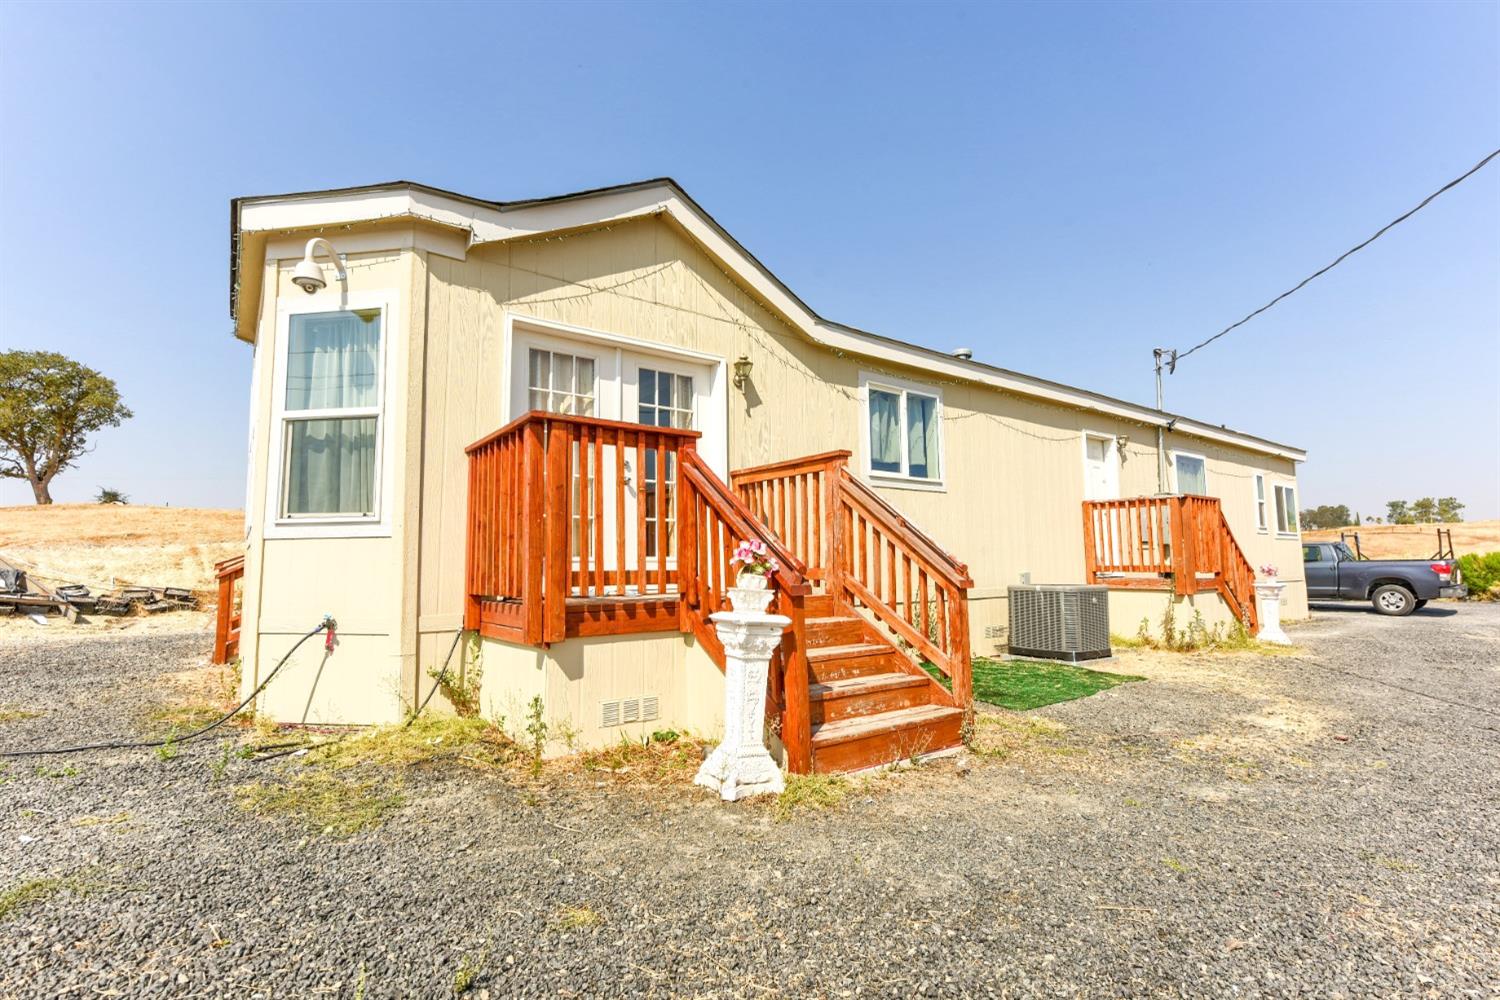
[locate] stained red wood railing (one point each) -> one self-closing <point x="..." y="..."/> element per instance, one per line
<point x="795" y="499"/>
<point x="865" y="550"/>
<point x="908" y="582"/>
<point x="1141" y="541"/>
<point x="713" y="521"/>
<point x="227" y="614"/>
<point x="568" y="507"/>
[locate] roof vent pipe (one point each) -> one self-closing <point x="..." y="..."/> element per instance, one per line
<point x="964" y="354"/>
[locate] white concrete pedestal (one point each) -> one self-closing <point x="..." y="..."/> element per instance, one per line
<point x="741" y="766"/>
<point x="1268" y="606"/>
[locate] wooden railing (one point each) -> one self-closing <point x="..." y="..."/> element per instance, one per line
<point x="863" y="549"/>
<point x="713" y="521"/>
<point x="1140" y="541"/>
<point x="795" y="499"/>
<point x="227" y="615"/>
<point x="563" y="506"/>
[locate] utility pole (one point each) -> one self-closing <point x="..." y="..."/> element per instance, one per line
<point x="1165" y="357"/>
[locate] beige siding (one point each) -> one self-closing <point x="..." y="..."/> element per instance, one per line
<point x="1013" y="481"/>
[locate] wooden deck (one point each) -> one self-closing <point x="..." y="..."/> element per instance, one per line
<point x="584" y="527"/>
<point x="1182" y="544"/>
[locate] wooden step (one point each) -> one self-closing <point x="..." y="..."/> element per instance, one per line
<point x="884" y="738"/>
<point x="859" y="659"/>
<point x="869" y="695"/>
<point x="836" y="630"/>
<point x="821" y="606"/>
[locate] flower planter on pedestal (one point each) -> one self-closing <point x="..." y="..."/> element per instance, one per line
<point x="1268" y="605"/>
<point x="741" y="766"/>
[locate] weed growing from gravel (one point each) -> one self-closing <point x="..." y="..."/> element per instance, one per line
<point x="462" y="691"/>
<point x="322" y="802"/>
<point x="17" y="715"/>
<point x="219" y="765"/>
<point x="184" y="718"/>
<point x="66" y="771"/>
<point x="115" y="820"/>
<point x="468" y="972"/>
<point x="573" y="918"/>
<point x="168" y="748"/>
<point x="536" y="731"/>
<point x="811" y="791"/>
<point x="1175" y="865"/>
<point x="1196" y="637"/>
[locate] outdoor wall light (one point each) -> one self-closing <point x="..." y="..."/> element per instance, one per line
<point x="1121" y="440"/>
<point x="742" y="368"/>
<point x="308" y="276"/>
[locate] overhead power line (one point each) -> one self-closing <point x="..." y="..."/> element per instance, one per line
<point x="1345" y="255"/>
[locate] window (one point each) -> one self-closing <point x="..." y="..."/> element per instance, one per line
<point x="1192" y="473"/>
<point x="904" y="437"/>
<point x="1286" y="510"/>
<point x="1312" y="554"/>
<point x="664" y="400"/>
<point x="560" y="383"/>
<point x="1260" y="502"/>
<point x="331" y="415"/>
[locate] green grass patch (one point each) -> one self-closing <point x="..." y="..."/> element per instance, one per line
<point x="1025" y="684"/>
<point x="18" y="714"/>
<point x="322" y="802"/>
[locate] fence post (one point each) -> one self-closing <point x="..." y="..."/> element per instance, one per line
<point x="796" y="713"/>
<point x="559" y="531"/>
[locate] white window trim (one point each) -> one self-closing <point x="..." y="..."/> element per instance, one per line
<point x="1260" y="503"/>
<point x="1113" y="441"/>
<point x="713" y="421"/>
<point x="1292" y="487"/>
<point x="1176" y="488"/>
<point x="900" y="480"/>
<point x="378" y="525"/>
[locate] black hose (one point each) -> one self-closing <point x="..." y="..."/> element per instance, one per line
<point x="142" y="744"/>
<point x="437" y="681"/>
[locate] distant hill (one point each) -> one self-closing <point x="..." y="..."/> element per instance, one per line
<point x="1415" y="541"/>
<point x="100" y="545"/>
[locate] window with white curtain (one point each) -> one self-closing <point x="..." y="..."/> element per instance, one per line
<point x="331" y="415"/>
<point x="904" y="432"/>
<point x="1192" y="474"/>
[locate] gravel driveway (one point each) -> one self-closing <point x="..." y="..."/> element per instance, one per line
<point x="1324" y="823"/>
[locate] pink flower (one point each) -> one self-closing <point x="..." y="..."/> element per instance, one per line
<point x="1268" y="570"/>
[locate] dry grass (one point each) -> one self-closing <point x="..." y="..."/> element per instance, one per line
<point x="1415" y="541"/>
<point x="631" y="762"/>
<point x="102" y="546"/>
<point x="430" y="740"/>
<point x="812" y="792"/>
<point x="998" y="735"/>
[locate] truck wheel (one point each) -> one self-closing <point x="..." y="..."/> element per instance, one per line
<point x="1393" y="599"/>
<point x="1421" y="604"/>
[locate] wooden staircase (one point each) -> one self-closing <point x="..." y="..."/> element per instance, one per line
<point x="870" y="704"/>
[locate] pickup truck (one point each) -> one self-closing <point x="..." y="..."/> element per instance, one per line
<point x="1393" y="586"/>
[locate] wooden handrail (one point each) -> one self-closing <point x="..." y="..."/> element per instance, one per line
<point x="955" y="572"/>
<point x="774" y="470"/>
<point x="569" y="418"/>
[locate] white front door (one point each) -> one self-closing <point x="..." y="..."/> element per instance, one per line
<point x="587" y="378"/>
<point x="1101" y="468"/>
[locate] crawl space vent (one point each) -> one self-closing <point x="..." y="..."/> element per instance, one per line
<point x="627" y="710"/>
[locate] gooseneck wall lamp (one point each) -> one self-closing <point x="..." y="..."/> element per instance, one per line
<point x="308" y="276"/>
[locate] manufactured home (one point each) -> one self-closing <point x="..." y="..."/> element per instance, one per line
<point x="546" y="424"/>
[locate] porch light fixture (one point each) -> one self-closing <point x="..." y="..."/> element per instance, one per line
<point x="308" y="276"/>
<point x="1121" y="440"/>
<point x="742" y="368"/>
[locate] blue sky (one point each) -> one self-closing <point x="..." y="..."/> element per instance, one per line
<point x="1060" y="187"/>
